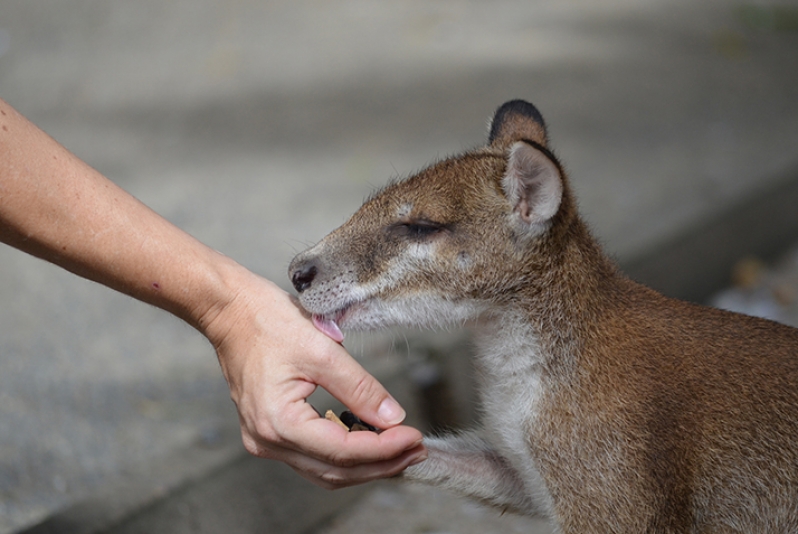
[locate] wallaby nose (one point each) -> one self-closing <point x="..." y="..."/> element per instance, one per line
<point x="303" y="276"/>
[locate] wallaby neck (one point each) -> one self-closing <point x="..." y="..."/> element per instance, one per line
<point x="556" y="308"/>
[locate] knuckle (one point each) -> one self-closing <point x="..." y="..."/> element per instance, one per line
<point x="324" y="357"/>
<point x="253" y="448"/>
<point x="324" y="478"/>
<point x="332" y="479"/>
<point x="259" y="436"/>
<point x="342" y="461"/>
<point x="364" y="390"/>
<point x="263" y="430"/>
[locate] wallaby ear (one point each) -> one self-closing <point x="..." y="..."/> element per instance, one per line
<point x="533" y="185"/>
<point x="516" y="120"/>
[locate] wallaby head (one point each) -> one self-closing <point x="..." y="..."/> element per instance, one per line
<point x="441" y="245"/>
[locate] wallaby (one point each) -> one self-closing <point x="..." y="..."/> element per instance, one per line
<point x="611" y="408"/>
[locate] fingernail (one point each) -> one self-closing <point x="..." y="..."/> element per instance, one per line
<point x="419" y="459"/>
<point x="390" y="412"/>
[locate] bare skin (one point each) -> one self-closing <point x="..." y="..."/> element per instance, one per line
<point x="56" y="207"/>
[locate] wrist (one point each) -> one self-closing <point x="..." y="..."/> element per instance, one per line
<point x="225" y="301"/>
<point x="218" y="288"/>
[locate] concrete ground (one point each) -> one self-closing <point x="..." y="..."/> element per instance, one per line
<point x="259" y="126"/>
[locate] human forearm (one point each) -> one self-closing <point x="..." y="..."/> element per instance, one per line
<point x="56" y="207"/>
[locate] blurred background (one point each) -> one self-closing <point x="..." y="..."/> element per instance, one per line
<point x="259" y="126"/>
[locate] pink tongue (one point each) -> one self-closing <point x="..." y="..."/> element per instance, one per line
<point x="329" y="327"/>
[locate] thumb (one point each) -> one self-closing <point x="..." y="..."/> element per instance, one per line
<point x="350" y="383"/>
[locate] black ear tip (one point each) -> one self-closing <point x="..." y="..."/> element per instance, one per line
<point x="513" y="107"/>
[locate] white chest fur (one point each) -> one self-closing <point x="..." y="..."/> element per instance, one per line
<point x="509" y="361"/>
<point x="495" y="463"/>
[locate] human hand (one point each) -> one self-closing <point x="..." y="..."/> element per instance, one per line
<point x="273" y="358"/>
<point x="56" y="207"/>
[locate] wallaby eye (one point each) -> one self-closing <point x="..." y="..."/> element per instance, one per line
<point x="417" y="229"/>
<point x="422" y="229"/>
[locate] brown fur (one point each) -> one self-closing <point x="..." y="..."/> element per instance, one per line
<point x="612" y="408"/>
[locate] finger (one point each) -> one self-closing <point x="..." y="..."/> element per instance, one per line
<point x="334" y="477"/>
<point x="294" y="424"/>
<point x="330" y="443"/>
<point x="343" y="477"/>
<point x="346" y="380"/>
<point x="297" y="426"/>
<point x="337" y="372"/>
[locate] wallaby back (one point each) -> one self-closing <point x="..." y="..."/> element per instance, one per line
<point x="612" y="408"/>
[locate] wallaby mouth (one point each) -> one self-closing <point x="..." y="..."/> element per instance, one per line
<point x="304" y="274"/>
<point x="329" y="322"/>
<point x="329" y="327"/>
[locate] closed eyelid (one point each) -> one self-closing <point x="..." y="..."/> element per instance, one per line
<point x="417" y="228"/>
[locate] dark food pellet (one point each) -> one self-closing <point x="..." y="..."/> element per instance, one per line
<point x="355" y="424"/>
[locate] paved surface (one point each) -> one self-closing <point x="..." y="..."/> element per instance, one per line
<point x="259" y="126"/>
<point x="390" y="508"/>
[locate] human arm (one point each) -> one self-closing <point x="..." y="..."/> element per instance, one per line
<point x="56" y="207"/>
